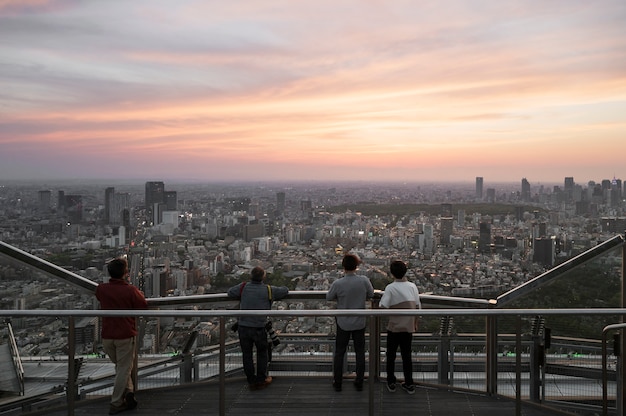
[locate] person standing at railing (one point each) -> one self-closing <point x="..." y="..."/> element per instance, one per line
<point x="119" y="333"/>
<point x="351" y="292"/>
<point x="400" y="294"/>
<point x="255" y="295"/>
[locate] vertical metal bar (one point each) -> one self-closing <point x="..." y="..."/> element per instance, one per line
<point x="621" y="371"/>
<point x="518" y="366"/>
<point x="492" y="355"/>
<point x="222" y="367"/>
<point x="604" y="375"/>
<point x="71" y="367"/>
<point x="370" y="379"/>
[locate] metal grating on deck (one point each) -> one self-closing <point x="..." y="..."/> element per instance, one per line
<point x="291" y="396"/>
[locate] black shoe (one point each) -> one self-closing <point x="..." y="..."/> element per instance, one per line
<point x="113" y="410"/>
<point x="409" y="388"/>
<point x="337" y="386"/>
<point x="131" y="402"/>
<point x="358" y="385"/>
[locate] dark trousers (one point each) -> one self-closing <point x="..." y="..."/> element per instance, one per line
<point x="341" y="345"/>
<point x="250" y="337"/>
<point x="402" y="340"/>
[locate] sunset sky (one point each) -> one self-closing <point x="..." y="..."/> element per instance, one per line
<point x="313" y="90"/>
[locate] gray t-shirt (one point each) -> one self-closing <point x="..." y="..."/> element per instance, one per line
<point x="351" y="291"/>
<point x="255" y="295"/>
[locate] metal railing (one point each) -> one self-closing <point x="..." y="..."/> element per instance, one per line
<point x="517" y="360"/>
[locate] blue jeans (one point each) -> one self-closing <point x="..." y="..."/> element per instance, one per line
<point x="402" y="340"/>
<point x="341" y="345"/>
<point x="250" y="337"/>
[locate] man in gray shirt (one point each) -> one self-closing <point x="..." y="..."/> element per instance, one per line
<point x="351" y="292"/>
<point x="255" y="295"/>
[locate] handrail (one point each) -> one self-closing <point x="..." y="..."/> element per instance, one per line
<point x="559" y="270"/>
<point x="53" y="269"/>
<point x="605" y="331"/>
<point x="216" y="313"/>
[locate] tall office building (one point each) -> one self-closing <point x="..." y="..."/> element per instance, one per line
<point x="170" y="198"/>
<point x="108" y="203"/>
<point x="568" y="188"/>
<point x="120" y="209"/>
<point x="484" y="238"/>
<point x="544" y="251"/>
<point x="446" y="230"/>
<point x="74" y="208"/>
<point x="44" y="201"/>
<point x="479" y="187"/>
<point x="280" y="202"/>
<point x="525" y="190"/>
<point x="155" y="194"/>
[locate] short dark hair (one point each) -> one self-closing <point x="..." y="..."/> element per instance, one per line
<point x="117" y="268"/>
<point x="397" y="269"/>
<point x="350" y="262"/>
<point x="257" y="274"/>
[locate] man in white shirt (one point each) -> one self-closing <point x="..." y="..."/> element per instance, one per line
<point x="400" y="294"/>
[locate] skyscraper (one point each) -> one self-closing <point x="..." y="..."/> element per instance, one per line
<point x="484" y="238"/>
<point x="44" y="201"/>
<point x="170" y="198"/>
<point x="280" y="202"/>
<point x="108" y="203"/>
<point x="479" y="187"/>
<point x="568" y="188"/>
<point x="525" y="190"/>
<point x="446" y="230"/>
<point x="155" y="195"/>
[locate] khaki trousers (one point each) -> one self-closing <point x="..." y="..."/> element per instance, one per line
<point x="122" y="354"/>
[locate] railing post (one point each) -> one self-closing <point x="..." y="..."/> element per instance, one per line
<point x="71" y="367"/>
<point x="491" y="346"/>
<point x="518" y="365"/>
<point x="222" y="376"/>
<point x="373" y="369"/>
<point x="444" y="360"/>
<point x="621" y="371"/>
<point x="374" y="364"/>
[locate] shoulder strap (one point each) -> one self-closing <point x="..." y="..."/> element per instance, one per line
<point x="241" y="288"/>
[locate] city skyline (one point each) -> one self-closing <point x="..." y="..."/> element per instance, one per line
<point x="341" y="91"/>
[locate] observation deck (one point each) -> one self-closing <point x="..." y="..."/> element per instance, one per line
<point x="512" y="368"/>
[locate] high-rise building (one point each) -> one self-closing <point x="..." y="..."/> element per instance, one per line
<point x="484" y="237"/>
<point x="44" y="201"/>
<point x="491" y="195"/>
<point x="108" y="203"/>
<point x="155" y="195"/>
<point x="74" y="208"/>
<point x="170" y="198"/>
<point x="525" y="190"/>
<point x="568" y="188"/>
<point x="479" y="187"/>
<point x="544" y="251"/>
<point x="280" y="202"/>
<point x="446" y="230"/>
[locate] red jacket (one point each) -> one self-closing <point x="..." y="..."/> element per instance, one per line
<point x="119" y="294"/>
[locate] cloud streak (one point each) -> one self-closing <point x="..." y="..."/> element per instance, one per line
<point x="344" y="89"/>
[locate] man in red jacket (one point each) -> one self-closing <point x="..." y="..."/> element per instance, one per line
<point x="119" y="333"/>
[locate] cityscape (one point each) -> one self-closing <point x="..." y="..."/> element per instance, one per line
<point x="476" y="239"/>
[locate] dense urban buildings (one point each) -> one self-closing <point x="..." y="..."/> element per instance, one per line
<point x="199" y="238"/>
